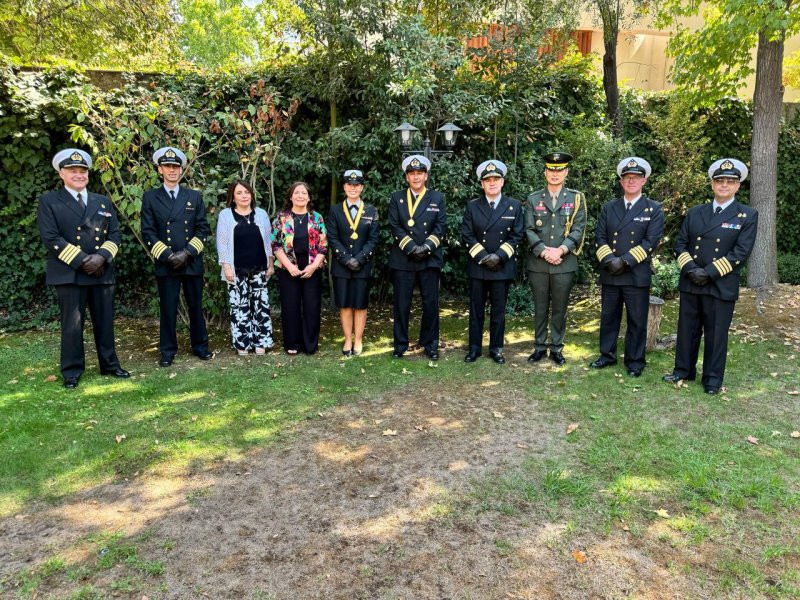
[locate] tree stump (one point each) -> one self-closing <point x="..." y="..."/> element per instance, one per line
<point x="654" y="321"/>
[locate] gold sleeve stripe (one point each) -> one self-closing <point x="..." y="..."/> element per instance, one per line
<point x="475" y="250"/>
<point x="111" y="247"/>
<point x="437" y="242"/>
<point x="603" y="251"/>
<point x="158" y="249"/>
<point x="507" y="248"/>
<point x="405" y="242"/>
<point x="196" y="244"/>
<point x="722" y="265"/>
<point x="69" y="253"/>
<point x="639" y="253"/>
<point x="684" y="258"/>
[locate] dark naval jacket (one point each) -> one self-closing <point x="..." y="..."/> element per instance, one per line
<point x="345" y="247"/>
<point x="169" y="226"/>
<point x="633" y="235"/>
<point x="719" y="244"/>
<point x="429" y="226"/>
<point x="485" y="231"/>
<point x="546" y="226"/>
<point x="70" y="234"/>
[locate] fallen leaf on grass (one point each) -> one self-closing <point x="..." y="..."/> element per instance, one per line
<point x="498" y="415"/>
<point x="572" y="427"/>
<point x="433" y="365"/>
<point x="434" y="403"/>
<point x="662" y="512"/>
<point x="419" y="428"/>
<point x="389" y="432"/>
<point x="194" y="417"/>
<point x="120" y="437"/>
<point x="795" y="434"/>
<point x="362" y="371"/>
<point x="752" y="440"/>
<point x="406" y="371"/>
<point x="51" y="378"/>
<point x="523" y="446"/>
<point x="774" y="374"/>
<point x="794" y="393"/>
<point x="172" y="375"/>
<point x="579" y="556"/>
<point x="776" y="433"/>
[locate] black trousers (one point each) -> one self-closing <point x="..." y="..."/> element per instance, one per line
<point x="301" y="305"/>
<point x="709" y="317"/>
<point x="73" y="300"/>
<point x="169" y="292"/>
<point x="404" y="282"/>
<point x="497" y="293"/>
<point x="636" y="301"/>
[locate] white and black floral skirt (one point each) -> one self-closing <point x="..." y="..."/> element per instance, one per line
<point x="251" y="324"/>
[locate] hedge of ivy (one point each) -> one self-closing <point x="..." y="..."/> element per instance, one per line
<point x="276" y="127"/>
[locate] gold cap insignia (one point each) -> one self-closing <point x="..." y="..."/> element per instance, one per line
<point x="353" y="176"/>
<point x="491" y="167"/>
<point x="632" y="164"/>
<point x="415" y="162"/>
<point x="76" y="156"/>
<point x="170" y="153"/>
<point x="726" y="165"/>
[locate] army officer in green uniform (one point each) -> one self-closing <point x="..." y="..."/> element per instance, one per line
<point x="555" y="222"/>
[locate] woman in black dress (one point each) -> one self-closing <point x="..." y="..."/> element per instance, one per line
<point x="353" y="237"/>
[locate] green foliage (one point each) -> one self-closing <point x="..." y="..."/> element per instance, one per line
<point x="713" y="61"/>
<point x="789" y="268"/>
<point x="116" y="33"/>
<point x="666" y="275"/>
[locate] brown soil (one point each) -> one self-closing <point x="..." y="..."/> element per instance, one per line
<point x="345" y="510"/>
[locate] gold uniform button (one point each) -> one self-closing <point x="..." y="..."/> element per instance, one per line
<point x="169" y="240"/>
<point x="77" y="237"/>
<point x="98" y="229"/>
<point x="97" y="239"/>
<point x="168" y="231"/>
<point x="79" y="228"/>
<point x="97" y="247"/>
<point x="616" y="234"/>
<point x="695" y="256"/>
<point x="699" y="238"/>
<point x="718" y="240"/>
<point x="697" y="247"/>
<point x="716" y="249"/>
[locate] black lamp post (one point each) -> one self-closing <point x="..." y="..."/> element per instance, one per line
<point x="407" y="136"/>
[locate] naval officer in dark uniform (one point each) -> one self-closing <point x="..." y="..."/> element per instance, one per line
<point x="418" y="222"/>
<point x="491" y="230"/>
<point x="628" y="232"/>
<point x="175" y="229"/>
<point x="555" y="223"/>
<point x="713" y="245"/>
<point x="80" y="231"/>
<point x="353" y="234"/>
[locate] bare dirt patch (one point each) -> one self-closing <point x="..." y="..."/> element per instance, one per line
<point x="356" y="504"/>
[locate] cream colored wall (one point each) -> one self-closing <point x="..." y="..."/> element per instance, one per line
<point x="642" y="61"/>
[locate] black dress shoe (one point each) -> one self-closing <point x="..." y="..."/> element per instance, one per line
<point x="432" y="354"/>
<point x="498" y="357"/>
<point x="206" y="355"/>
<point x="398" y="353"/>
<point x="71" y="382"/>
<point x="118" y="372"/>
<point x="557" y="357"/>
<point x="673" y="378"/>
<point x="601" y="363"/>
<point x="471" y="357"/>
<point x="165" y="361"/>
<point x="712" y="390"/>
<point x="635" y="372"/>
<point x="348" y="352"/>
<point x="537" y="356"/>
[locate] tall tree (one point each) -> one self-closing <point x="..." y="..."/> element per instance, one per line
<point x="101" y="33"/>
<point x="714" y="61"/>
<point x="614" y="16"/>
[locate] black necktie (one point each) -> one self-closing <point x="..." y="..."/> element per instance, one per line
<point x="717" y="210"/>
<point x="627" y="206"/>
<point x="81" y="203"/>
<point x="172" y="195"/>
<point x="491" y="204"/>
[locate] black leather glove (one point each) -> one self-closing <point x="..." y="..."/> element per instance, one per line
<point x="92" y="264"/>
<point x="616" y="266"/>
<point x="420" y="252"/>
<point x="491" y="262"/>
<point x="178" y="260"/>
<point x="698" y="276"/>
<point x="352" y="264"/>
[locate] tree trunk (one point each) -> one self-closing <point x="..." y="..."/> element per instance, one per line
<point x="610" y="84"/>
<point x="767" y="112"/>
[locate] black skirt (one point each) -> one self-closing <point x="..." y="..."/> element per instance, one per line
<point x="351" y="292"/>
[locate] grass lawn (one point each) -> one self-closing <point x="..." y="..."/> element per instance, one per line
<point x="708" y="487"/>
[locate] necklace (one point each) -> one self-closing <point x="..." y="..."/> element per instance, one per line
<point x="299" y="218"/>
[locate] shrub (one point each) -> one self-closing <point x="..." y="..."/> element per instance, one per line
<point x="789" y="268"/>
<point x="666" y="275"/>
